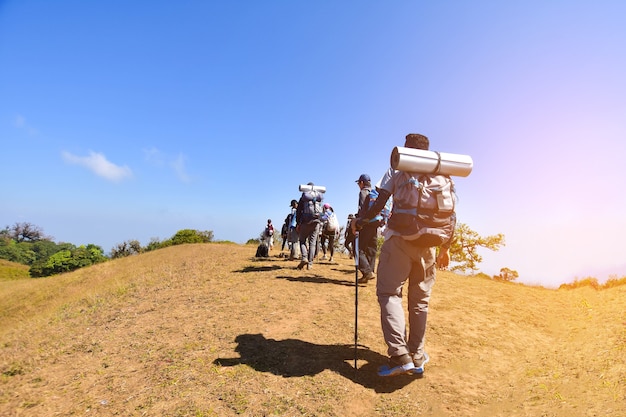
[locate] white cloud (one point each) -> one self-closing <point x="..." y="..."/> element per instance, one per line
<point x="158" y="159"/>
<point x="179" y="168"/>
<point x="99" y="165"/>
<point x="153" y="156"/>
<point x="20" y="123"/>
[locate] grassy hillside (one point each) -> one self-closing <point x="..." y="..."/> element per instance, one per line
<point x="207" y="330"/>
<point x="11" y="271"/>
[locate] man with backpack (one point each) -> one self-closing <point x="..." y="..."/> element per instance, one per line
<point x="268" y="234"/>
<point x="330" y="230"/>
<point x="411" y="237"/>
<point x="368" y="233"/>
<point x="292" y="233"/>
<point x="308" y="219"/>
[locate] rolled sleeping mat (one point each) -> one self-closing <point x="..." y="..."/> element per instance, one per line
<point x="306" y="187"/>
<point x="431" y="162"/>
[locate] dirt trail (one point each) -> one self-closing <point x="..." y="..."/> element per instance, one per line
<point x="207" y="330"/>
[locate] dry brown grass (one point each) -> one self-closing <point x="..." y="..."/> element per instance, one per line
<point x="11" y="271"/>
<point x="207" y="330"/>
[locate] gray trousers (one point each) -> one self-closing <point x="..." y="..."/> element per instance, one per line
<point x="292" y="239"/>
<point x="400" y="260"/>
<point x="308" y="240"/>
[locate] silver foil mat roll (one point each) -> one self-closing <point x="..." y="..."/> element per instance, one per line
<point x="431" y="162"/>
<point x="306" y="187"/>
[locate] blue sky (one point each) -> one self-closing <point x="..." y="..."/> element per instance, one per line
<point x="132" y="120"/>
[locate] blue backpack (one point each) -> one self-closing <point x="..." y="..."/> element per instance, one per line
<point x="383" y="217"/>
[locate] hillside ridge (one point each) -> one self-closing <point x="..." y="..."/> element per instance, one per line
<point x="208" y="329"/>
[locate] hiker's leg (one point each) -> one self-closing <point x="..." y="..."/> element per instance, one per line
<point x="313" y="240"/>
<point x="393" y="270"/>
<point x="305" y="231"/>
<point x="293" y="243"/>
<point x="323" y="239"/>
<point x="367" y="254"/>
<point x="421" y="281"/>
<point x="331" y="245"/>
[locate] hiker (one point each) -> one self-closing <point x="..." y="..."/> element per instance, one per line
<point x="330" y="229"/>
<point x="268" y="234"/>
<point x="292" y="233"/>
<point x="348" y="236"/>
<point x="402" y="259"/>
<point x="368" y="234"/>
<point x="308" y="218"/>
<point x="283" y="234"/>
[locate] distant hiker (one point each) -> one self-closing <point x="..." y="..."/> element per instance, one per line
<point x="348" y="242"/>
<point x="402" y="258"/>
<point x="368" y="234"/>
<point x="284" y="230"/>
<point x="268" y="234"/>
<point x="330" y="230"/>
<point x="308" y="218"/>
<point x="292" y="233"/>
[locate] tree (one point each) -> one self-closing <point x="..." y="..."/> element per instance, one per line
<point x="126" y="248"/>
<point x="191" y="236"/>
<point x="68" y="259"/>
<point x="26" y="232"/>
<point x="154" y="244"/>
<point x="464" y="248"/>
<point x="506" y="274"/>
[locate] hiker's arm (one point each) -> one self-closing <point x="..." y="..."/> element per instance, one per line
<point x="383" y="196"/>
<point x="443" y="259"/>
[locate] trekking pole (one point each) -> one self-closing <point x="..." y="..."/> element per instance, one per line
<point x="356" y="297"/>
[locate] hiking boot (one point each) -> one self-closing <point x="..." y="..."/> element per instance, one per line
<point x="419" y="362"/>
<point x="331" y="259"/>
<point x="367" y="277"/>
<point x="398" y="365"/>
<point x="309" y="266"/>
<point x="302" y="264"/>
<point x="324" y="258"/>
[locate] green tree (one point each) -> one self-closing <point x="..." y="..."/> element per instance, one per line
<point x="154" y="244"/>
<point x="191" y="236"/>
<point x="464" y="248"/>
<point x="68" y="259"/>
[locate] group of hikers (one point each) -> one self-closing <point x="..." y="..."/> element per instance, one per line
<point x="414" y="231"/>
<point x="322" y="232"/>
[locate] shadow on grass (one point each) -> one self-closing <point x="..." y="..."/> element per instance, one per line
<point x="296" y="358"/>
<point x="317" y="279"/>
<point x="258" y="268"/>
<point x="345" y="271"/>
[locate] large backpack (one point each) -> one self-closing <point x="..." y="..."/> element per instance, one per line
<point x="312" y="205"/>
<point x="383" y="217"/>
<point x="262" y="251"/>
<point x="423" y="209"/>
<point x="331" y="226"/>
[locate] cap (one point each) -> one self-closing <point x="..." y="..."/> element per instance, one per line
<point x="326" y="205"/>
<point x="364" y="178"/>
